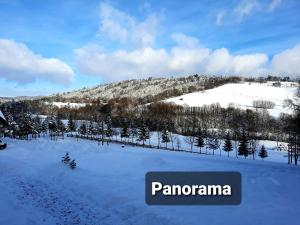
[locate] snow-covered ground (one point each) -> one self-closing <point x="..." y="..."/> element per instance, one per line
<point x="71" y="105"/>
<point x="107" y="187"/>
<point x="274" y="155"/>
<point x="241" y="95"/>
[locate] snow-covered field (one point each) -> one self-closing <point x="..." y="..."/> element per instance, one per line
<point x="241" y="95"/>
<point x="71" y="105"/>
<point x="107" y="187"/>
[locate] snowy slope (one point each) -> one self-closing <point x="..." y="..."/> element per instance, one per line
<point x="71" y="105"/>
<point x="241" y="95"/>
<point x="108" y="188"/>
<point x="139" y="88"/>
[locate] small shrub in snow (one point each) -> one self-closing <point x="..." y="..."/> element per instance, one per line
<point x="73" y="164"/>
<point x="66" y="159"/>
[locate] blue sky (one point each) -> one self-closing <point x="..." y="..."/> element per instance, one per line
<point x="51" y="46"/>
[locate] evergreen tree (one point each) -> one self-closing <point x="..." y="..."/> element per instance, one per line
<point x="199" y="140"/>
<point x="66" y="159"/>
<point x="227" y="145"/>
<point x="82" y="129"/>
<point x="61" y="128"/>
<point x="52" y="127"/>
<point x="263" y="152"/>
<point x="71" y="124"/>
<point x="26" y="126"/>
<point x="91" y="129"/>
<point x="73" y="164"/>
<point x="143" y="133"/>
<point x="109" y="131"/>
<point x="37" y="126"/>
<point x="165" y="137"/>
<point x="243" y="146"/>
<point x="44" y="127"/>
<point x="100" y="129"/>
<point x="133" y="133"/>
<point x="124" y="131"/>
<point x="12" y="128"/>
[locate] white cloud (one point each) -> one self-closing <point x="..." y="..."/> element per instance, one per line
<point x="21" y="65"/>
<point x="185" y="57"/>
<point x="245" y="8"/>
<point x="222" y="62"/>
<point x="114" y="23"/>
<point x="219" y="18"/>
<point x="121" y="64"/>
<point x="287" y="62"/>
<point x="273" y="5"/>
<point x="219" y="62"/>
<point x="185" y="41"/>
<point x="122" y="27"/>
<point x="251" y="64"/>
<point x="145" y="7"/>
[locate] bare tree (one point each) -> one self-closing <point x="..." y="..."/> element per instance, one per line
<point x="178" y="143"/>
<point x="253" y="144"/>
<point x="190" y="140"/>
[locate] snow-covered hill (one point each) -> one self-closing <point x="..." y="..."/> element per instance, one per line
<point x="242" y="95"/>
<point x="108" y="186"/>
<point x="147" y="89"/>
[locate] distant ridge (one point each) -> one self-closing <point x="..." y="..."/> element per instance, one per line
<point x="147" y="90"/>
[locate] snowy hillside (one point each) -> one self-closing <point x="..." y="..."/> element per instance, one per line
<point x="150" y="88"/>
<point x="133" y="88"/>
<point x="107" y="187"/>
<point x="241" y="95"/>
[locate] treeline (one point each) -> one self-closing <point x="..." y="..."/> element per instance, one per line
<point x="271" y="78"/>
<point x="202" y="126"/>
<point x="178" y="119"/>
<point x="100" y="129"/>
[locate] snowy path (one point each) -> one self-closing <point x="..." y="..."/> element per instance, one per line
<point x="66" y="209"/>
<point x="38" y="195"/>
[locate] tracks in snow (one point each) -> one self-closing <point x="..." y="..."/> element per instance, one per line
<point x="73" y="208"/>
